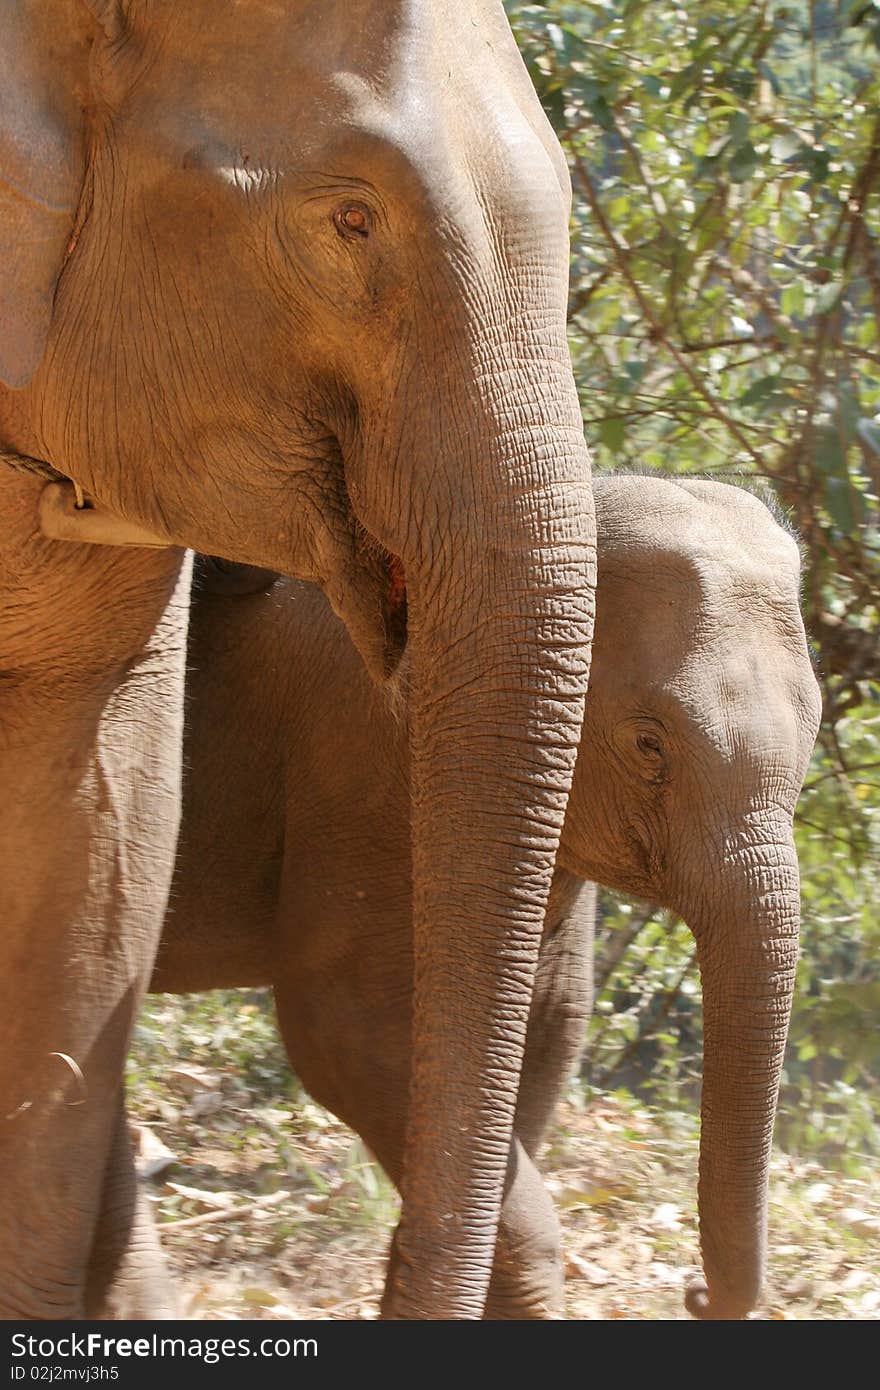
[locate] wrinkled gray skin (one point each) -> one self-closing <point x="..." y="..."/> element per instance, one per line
<point x="285" y="283"/>
<point x="91" y="722"/>
<point x="294" y="867"/>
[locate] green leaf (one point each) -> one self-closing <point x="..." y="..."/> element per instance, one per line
<point x="843" y="503"/>
<point x="828" y="296"/>
<point x="738" y="129"/>
<point x="815" y="161"/>
<point x="828" y="451"/>
<point x="869" y="432"/>
<point x="711" y="229"/>
<point x="553" y="101"/>
<point x="635" y="369"/>
<point x="740" y="81"/>
<point x="684" y="80"/>
<point x="792" y="300"/>
<point x="594" y="98"/>
<point x="759" y="390"/>
<point x="744" y="163"/>
<point x="612" y="433"/>
<point x="847" y="410"/>
<point x="766" y="71"/>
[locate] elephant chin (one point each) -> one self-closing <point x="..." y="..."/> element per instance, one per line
<point x="214" y="575"/>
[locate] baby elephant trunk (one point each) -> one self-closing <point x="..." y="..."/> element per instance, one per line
<point x="747" y="955"/>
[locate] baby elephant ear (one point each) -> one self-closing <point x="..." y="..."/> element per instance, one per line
<point x="41" y="169"/>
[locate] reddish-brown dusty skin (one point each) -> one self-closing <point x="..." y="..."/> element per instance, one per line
<point x="286" y="284"/>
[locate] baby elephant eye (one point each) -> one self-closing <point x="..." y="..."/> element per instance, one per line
<point x="352" y="220"/>
<point x="649" y="745"/>
<point x="644" y="749"/>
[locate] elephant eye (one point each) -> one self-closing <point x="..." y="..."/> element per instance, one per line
<point x="649" y="745"/>
<point x="352" y="221"/>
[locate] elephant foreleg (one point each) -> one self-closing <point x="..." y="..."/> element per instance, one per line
<point x="367" y="1086"/>
<point x="561" y="1006"/>
<point x="126" y="1277"/>
<point x="527" y="1273"/>
<point x="92" y="648"/>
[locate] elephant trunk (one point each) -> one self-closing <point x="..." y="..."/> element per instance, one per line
<point x="500" y="659"/>
<point x="747" y="961"/>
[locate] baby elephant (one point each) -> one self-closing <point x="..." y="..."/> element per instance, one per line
<point x="294" y="865"/>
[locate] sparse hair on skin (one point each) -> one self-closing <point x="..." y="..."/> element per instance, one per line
<point x="396" y="692"/>
<point x="745" y="482"/>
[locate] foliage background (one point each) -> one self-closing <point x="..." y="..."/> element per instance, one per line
<point x="724" y="312"/>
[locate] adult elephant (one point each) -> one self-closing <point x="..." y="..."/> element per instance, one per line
<point x="284" y="283"/>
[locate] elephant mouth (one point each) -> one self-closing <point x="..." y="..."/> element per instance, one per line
<point x="379" y="590"/>
<point x="394" y="614"/>
<point x="363" y="580"/>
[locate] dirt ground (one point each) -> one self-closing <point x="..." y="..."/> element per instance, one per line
<point x="270" y="1208"/>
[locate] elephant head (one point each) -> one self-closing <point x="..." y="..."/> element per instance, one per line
<point x="287" y="284"/>
<point x="703" y="712"/>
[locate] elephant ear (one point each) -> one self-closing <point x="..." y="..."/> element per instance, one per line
<point x="41" y="171"/>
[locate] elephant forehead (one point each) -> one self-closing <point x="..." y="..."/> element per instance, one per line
<point x="377" y="91"/>
<point x="719" y="640"/>
<point x="699" y="629"/>
<point x="703" y="583"/>
<point x="714" y="536"/>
